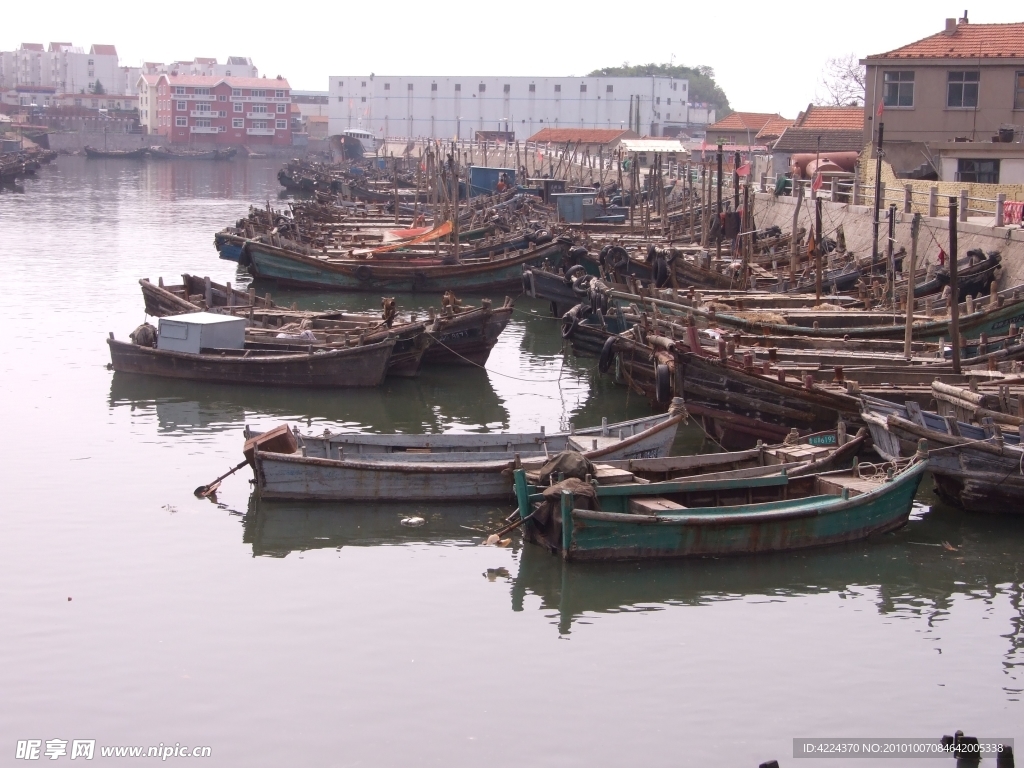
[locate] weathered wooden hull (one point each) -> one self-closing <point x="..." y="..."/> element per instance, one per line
<point x="468" y="338"/>
<point x="740" y="529"/>
<point x="360" y="366"/>
<point x="971" y="469"/>
<point x="302" y="271"/>
<point x="443" y="476"/>
<point x="230" y="247"/>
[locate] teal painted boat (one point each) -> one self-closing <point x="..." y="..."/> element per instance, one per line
<point x="725" y="513"/>
<point x="416" y="274"/>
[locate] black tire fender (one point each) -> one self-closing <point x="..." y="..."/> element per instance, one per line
<point x="569" y="323"/>
<point x="604" y="363"/>
<point x="662" y="383"/>
<point x="571" y="273"/>
<point x="363" y="272"/>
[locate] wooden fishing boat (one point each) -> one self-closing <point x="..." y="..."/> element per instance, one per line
<point x="459" y="335"/>
<point x="417" y="275"/>
<point x="357" y="366"/>
<point x="716" y="514"/>
<point x="977" y="467"/>
<point x="449" y="467"/>
<point x="122" y="154"/>
<point x="993" y="317"/>
<point x="1003" y="403"/>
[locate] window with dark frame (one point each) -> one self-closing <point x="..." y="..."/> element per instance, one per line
<point x="583" y="87"/>
<point x="533" y="88"/>
<point x="977" y="171"/>
<point x="433" y="86"/>
<point x="1018" y="92"/>
<point x="962" y="90"/>
<point x="558" y="88"/>
<point x="607" y="89"/>
<point x="482" y="88"/>
<point x="898" y="88"/>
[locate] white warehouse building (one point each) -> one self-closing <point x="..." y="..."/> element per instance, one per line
<point x="457" y="107"/>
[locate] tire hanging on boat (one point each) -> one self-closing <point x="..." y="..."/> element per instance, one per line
<point x="570" y="273"/>
<point x="363" y="272"/>
<point x="662" y="383"/>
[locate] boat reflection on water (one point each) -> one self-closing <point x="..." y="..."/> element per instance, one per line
<point x="276" y="529"/>
<point x="436" y="400"/>
<point x="916" y="571"/>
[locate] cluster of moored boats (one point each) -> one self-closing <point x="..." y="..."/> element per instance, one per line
<point x="828" y="405"/>
<point x="17" y="165"/>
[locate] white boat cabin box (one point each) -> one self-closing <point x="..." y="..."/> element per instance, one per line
<point x="200" y="330"/>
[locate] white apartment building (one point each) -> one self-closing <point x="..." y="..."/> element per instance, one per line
<point x="67" y="68"/>
<point x="446" y="107"/>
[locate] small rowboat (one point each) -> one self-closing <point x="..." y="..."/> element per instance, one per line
<point x="723" y="513"/>
<point x="450" y="467"/>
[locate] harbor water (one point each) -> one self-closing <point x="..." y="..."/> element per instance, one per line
<point x="133" y="613"/>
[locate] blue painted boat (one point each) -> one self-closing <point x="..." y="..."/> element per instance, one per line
<point x="725" y="513"/>
<point x="402" y="272"/>
<point x="230" y="247"/>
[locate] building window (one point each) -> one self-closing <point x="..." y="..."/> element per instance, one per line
<point x="282" y="124"/>
<point x="202" y="106"/>
<point x="260" y="125"/>
<point x="259" y="108"/>
<point x="669" y="101"/>
<point x="202" y="91"/>
<point x="363" y="84"/>
<point x="179" y="90"/>
<point x="482" y="87"/>
<point x="607" y="89"/>
<point x="508" y="88"/>
<point x="238" y="107"/>
<point x="977" y="171"/>
<point x="583" y="87"/>
<point x="668" y="116"/>
<point x="658" y="100"/>
<point x="203" y="124"/>
<point x="258" y="94"/>
<point x="533" y="88"/>
<point x="181" y="122"/>
<point x="279" y="94"/>
<point x="433" y="86"/>
<point x="387" y="86"/>
<point x="898" y="88"/>
<point x="236" y="91"/>
<point x="282" y="108"/>
<point x="558" y="88"/>
<point x="408" y="87"/>
<point x="962" y="89"/>
<point x="458" y="86"/>
<point x="182" y="106"/>
<point x="237" y="123"/>
<point x="221" y="97"/>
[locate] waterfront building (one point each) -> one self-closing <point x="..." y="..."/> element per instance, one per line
<point x="206" y="109"/>
<point x="952" y="103"/>
<point x="459" y="107"/>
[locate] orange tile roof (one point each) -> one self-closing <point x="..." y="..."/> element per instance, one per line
<point x="31" y="46"/>
<point x="744" y="121"/>
<point x="582" y="135"/>
<point x="831" y="118"/>
<point x="773" y="128"/>
<point x="969" y="41"/>
<point x="103" y="50"/>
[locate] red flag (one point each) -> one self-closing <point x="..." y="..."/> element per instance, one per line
<point x="881" y="108"/>
<point x="816" y="184"/>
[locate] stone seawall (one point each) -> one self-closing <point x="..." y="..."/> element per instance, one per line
<point x="856" y="222"/>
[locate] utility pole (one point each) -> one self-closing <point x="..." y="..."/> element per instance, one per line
<point x="718" y="207"/>
<point x="915" y="230"/>
<point x="954" y="293"/>
<point x="817" y="249"/>
<point x="878" y="196"/>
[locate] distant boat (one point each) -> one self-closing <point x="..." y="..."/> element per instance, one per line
<point x="124" y="154"/>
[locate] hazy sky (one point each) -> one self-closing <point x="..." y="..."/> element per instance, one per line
<point x="767" y="56"/>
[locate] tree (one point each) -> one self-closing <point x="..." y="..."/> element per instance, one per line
<point x="98" y="88"/>
<point x="841" y="83"/>
<point x="703" y="87"/>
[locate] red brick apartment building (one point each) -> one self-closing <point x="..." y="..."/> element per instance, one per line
<point x="208" y="109"/>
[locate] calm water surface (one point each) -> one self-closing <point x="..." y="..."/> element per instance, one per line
<point x="322" y="634"/>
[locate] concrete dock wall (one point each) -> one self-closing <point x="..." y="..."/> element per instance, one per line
<point x="856" y="222"/>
